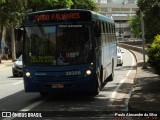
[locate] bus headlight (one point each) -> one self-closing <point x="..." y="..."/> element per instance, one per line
<point x="88" y="72"/>
<point x="28" y="74"/>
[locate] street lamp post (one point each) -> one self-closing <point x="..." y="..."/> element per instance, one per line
<point x="143" y="41"/>
<point x="120" y="22"/>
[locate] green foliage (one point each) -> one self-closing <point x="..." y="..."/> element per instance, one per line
<point x="11" y="12"/>
<point x="154" y="53"/>
<point x="2" y="1"/>
<point x="135" y="24"/>
<point x="36" y="5"/>
<point x="84" y="4"/>
<point x="151" y="10"/>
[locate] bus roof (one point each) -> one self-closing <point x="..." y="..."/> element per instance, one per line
<point x="101" y="17"/>
<point x="95" y="15"/>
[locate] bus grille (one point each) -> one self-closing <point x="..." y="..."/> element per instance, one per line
<point x="58" y="79"/>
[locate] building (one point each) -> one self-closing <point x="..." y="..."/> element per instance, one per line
<point x="121" y="11"/>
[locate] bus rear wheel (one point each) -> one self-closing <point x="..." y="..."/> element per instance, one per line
<point x="111" y="77"/>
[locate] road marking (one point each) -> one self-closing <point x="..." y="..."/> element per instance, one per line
<point x="28" y="108"/>
<point x="113" y="96"/>
<point x="17" y="83"/>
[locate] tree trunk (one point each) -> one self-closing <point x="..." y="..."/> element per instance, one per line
<point x="13" y="44"/>
<point x="4" y="34"/>
<point x="2" y="42"/>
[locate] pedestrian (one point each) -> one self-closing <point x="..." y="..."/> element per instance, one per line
<point x="6" y="51"/>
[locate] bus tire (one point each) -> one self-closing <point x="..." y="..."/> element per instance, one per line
<point x="111" y="77"/>
<point x="101" y="75"/>
<point x="15" y="75"/>
<point x="98" y="85"/>
<point x="102" y="83"/>
<point x="96" y="91"/>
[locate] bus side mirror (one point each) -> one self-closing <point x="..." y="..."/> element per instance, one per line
<point x="19" y="33"/>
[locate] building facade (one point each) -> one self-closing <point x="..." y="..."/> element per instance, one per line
<point x="121" y="11"/>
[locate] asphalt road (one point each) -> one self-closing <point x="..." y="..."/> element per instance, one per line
<point x="113" y="97"/>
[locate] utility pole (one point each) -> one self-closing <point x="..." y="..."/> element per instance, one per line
<point x="120" y="22"/>
<point x="0" y="52"/>
<point x="143" y="41"/>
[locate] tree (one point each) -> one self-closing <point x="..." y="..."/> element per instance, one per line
<point x="2" y="31"/>
<point x="135" y="24"/>
<point x="2" y="1"/>
<point x="84" y="4"/>
<point x="11" y="12"/>
<point x="154" y="53"/>
<point x="36" y="5"/>
<point x="151" y="11"/>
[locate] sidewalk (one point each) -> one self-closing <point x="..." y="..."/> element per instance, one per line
<point x="146" y="89"/>
<point x="5" y="63"/>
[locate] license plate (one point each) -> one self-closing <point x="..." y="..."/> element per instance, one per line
<point x="57" y="86"/>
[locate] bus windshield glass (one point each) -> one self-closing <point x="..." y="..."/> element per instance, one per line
<point x="58" y="45"/>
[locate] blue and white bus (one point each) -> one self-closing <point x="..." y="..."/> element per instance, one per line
<point x="69" y="50"/>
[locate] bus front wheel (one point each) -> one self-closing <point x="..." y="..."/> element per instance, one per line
<point x="96" y="91"/>
<point x="98" y="85"/>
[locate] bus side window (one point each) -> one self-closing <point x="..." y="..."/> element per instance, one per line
<point x="110" y="35"/>
<point x="102" y="33"/>
<point x="97" y="33"/>
<point x="111" y="26"/>
<point x="105" y="32"/>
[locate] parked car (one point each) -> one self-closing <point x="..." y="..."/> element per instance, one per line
<point x="17" y="67"/>
<point x="119" y="57"/>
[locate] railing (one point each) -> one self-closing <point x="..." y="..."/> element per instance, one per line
<point x="137" y="46"/>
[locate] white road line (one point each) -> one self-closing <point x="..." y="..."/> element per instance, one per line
<point x="28" y="108"/>
<point x="17" y="83"/>
<point x="122" y="81"/>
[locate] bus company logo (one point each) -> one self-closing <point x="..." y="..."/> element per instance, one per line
<point x="73" y="73"/>
<point x="20" y="114"/>
<point x="6" y="114"/>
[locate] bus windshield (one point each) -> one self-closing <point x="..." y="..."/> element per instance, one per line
<point x="58" y="45"/>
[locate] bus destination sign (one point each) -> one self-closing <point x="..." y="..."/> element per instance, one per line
<point x="48" y="17"/>
<point x="57" y="17"/>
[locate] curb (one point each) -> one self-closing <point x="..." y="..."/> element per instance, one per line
<point x="130" y="108"/>
<point x="134" y="48"/>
